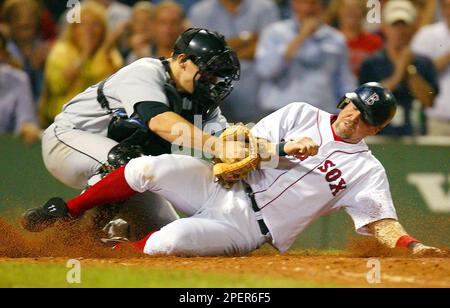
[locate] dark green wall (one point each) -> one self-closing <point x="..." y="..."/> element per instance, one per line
<point x="24" y="181"/>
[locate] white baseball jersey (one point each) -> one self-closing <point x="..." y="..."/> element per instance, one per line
<point x="141" y="81"/>
<point x="341" y="175"/>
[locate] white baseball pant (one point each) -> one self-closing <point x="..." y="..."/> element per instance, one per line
<point x="74" y="156"/>
<point x="222" y="220"/>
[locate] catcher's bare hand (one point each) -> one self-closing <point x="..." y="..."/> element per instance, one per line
<point x="302" y="148"/>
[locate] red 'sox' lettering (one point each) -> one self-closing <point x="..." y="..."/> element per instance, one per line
<point x="334" y="177"/>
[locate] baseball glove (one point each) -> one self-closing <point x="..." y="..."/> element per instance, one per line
<point x="230" y="171"/>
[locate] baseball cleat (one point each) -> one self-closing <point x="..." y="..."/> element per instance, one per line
<point x="38" y="219"/>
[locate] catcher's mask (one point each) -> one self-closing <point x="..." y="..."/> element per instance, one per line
<point x="218" y="67"/>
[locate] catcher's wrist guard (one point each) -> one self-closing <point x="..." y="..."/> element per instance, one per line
<point x="281" y="151"/>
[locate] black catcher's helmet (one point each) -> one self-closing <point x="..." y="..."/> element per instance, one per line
<point x="218" y="66"/>
<point x="376" y="103"/>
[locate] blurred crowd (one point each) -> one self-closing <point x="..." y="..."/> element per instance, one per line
<point x="290" y="50"/>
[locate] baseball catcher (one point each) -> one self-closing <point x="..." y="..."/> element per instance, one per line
<point x="132" y="113"/>
<point x="323" y="165"/>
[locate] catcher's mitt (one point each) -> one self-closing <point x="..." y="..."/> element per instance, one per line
<point x="230" y="171"/>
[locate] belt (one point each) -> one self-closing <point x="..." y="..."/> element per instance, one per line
<point x="256" y="209"/>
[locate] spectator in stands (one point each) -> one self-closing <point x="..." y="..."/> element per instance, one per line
<point x="434" y="41"/>
<point x="117" y="12"/>
<point x="80" y="58"/>
<point x="284" y="8"/>
<point x="3" y="26"/>
<point x="439" y="16"/>
<point x="56" y="9"/>
<point x="17" y="109"/>
<point x="185" y="4"/>
<point x="48" y="26"/>
<point x="168" y="24"/>
<point x="23" y="18"/>
<point x="5" y="55"/>
<point x="241" y="21"/>
<point x="412" y="78"/>
<point x="426" y="12"/>
<point x="138" y="32"/>
<point x="361" y="44"/>
<point x="150" y="31"/>
<point x="303" y="59"/>
<point x="332" y="12"/>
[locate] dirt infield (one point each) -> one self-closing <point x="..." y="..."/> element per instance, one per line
<point x="348" y="268"/>
<point x="320" y="270"/>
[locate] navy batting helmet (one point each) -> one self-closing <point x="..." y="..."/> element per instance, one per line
<point x="375" y="102"/>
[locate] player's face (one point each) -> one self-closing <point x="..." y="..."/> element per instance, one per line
<point x="188" y="72"/>
<point x="351" y="127"/>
